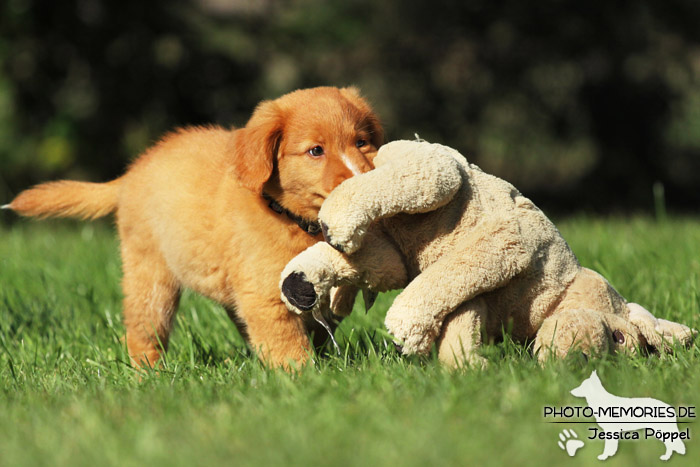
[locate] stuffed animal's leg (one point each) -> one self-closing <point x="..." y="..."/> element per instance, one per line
<point x="659" y="333"/>
<point x="419" y="177"/>
<point x="461" y="335"/>
<point x="308" y="278"/>
<point x="488" y="258"/>
<point x="342" y="299"/>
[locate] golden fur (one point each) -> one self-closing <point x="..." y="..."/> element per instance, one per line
<point x="190" y="214"/>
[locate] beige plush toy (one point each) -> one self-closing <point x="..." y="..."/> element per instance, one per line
<point x="473" y="256"/>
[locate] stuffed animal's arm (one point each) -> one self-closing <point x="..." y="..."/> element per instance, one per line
<point x="418" y="177"/>
<point x="307" y="279"/>
<point x="490" y="256"/>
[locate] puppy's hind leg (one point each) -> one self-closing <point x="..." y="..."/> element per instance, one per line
<point x="151" y="297"/>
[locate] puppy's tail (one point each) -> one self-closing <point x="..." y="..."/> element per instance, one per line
<point x="66" y="198"/>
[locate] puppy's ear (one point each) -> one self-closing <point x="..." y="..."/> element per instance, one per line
<point x="370" y="119"/>
<point x="255" y="146"/>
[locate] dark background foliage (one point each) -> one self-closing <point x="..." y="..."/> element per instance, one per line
<point x="581" y="105"/>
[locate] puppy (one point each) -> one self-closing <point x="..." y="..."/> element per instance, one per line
<point x="222" y="212"/>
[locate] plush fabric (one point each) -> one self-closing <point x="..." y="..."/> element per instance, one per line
<point x="474" y="257"/>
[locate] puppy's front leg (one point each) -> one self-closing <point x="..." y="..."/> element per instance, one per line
<point x="278" y="336"/>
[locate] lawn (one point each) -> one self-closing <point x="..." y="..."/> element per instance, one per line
<point x="68" y="397"/>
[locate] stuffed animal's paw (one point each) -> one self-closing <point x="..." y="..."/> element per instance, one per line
<point x="414" y="338"/>
<point x="307" y="280"/>
<point x="677" y="332"/>
<point x="344" y="239"/>
<point x="298" y="293"/>
<point x="416" y="343"/>
<point x="659" y="333"/>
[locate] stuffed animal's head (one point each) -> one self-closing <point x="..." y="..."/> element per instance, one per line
<point x="586" y="331"/>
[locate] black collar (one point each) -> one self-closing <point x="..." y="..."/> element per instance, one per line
<point x="310" y="227"/>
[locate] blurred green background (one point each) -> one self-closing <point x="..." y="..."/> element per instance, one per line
<point x="582" y="105"/>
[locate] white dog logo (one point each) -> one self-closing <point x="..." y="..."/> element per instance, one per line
<point x="617" y="415"/>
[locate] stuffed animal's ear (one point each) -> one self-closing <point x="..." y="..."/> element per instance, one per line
<point x="255" y="146"/>
<point x="370" y="120"/>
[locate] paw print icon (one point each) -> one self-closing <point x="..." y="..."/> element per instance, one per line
<point x="569" y="442"/>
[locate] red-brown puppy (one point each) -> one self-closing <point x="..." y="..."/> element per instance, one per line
<point x="196" y="210"/>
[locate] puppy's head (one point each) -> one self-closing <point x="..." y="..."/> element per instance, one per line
<point x="302" y="145"/>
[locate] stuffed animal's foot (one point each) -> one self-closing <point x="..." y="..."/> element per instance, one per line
<point x="343" y="239"/>
<point x="298" y="293"/>
<point x="461" y="336"/>
<point x="675" y="331"/>
<point x="659" y="333"/>
<point x="306" y="281"/>
<point x="411" y="342"/>
<point x="461" y="359"/>
<point x="413" y="336"/>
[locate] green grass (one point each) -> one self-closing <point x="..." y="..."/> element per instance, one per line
<point x="67" y="397"/>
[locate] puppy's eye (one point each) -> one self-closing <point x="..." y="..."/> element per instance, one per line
<point x="618" y="336"/>
<point x="361" y="142"/>
<point x="316" y="151"/>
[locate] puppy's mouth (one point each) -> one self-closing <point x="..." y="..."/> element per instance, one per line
<point x="310" y="206"/>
